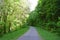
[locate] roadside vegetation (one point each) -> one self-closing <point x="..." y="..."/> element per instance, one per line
<point x="46" y="35"/>
<point x="46" y="17"/>
<point x="14" y="35"/>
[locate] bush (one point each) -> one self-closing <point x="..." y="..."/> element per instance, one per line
<point x="1" y="28"/>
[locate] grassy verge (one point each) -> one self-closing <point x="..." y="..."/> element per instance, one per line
<point x="47" y="35"/>
<point x="14" y="35"/>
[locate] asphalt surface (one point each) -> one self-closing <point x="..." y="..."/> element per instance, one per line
<point x="31" y="34"/>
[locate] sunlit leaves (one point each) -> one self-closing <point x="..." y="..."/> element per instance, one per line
<point x="13" y="13"/>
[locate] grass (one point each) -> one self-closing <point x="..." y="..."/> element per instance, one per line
<point x="14" y="35"/>
<point x="46" y="35"/>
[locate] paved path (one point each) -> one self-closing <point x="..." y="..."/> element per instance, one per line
<point x="30" y="35"/>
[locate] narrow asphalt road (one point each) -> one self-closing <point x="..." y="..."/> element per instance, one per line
<point x="31" y="34"/>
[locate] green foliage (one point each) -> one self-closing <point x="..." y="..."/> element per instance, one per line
<point x="1" y="23"/>
<point x="58" y="23"/>
<point x="46" y="35"/>
<point x="1" y="28"/>
<point x="14" y="14"/>
<point x="14" y="35"/>
<point x="46" y="15"/>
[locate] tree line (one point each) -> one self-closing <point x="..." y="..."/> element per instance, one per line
<point x="13" y="15"/>
<point x="46" y="15"/>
